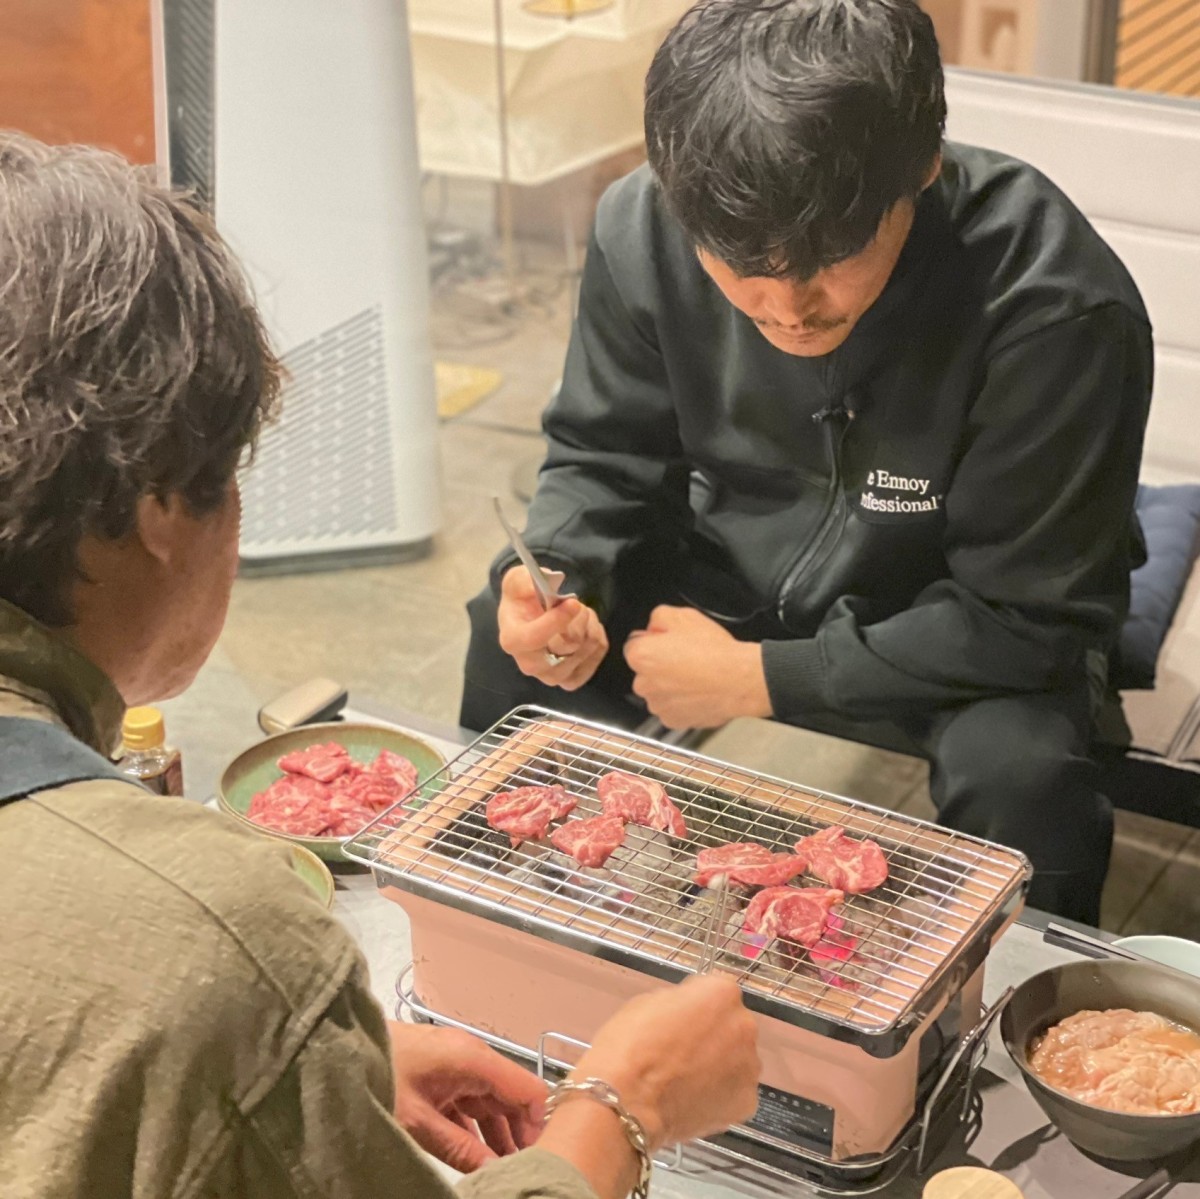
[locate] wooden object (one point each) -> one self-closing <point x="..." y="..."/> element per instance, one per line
<point x="79" y="71"/>
<point x="967" y="1182"/>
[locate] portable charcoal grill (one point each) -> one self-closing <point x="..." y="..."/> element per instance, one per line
<point x="863" y="1058"/>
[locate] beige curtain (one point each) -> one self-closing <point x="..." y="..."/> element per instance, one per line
<point x="573" y="88"/>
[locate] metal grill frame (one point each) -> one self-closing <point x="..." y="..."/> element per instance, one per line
<point x="980" y="888"/>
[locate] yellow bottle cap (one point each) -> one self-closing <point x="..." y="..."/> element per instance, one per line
<point x="143" y="729"/>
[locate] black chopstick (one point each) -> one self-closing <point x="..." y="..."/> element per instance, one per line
<point x="1150" y="1187"/>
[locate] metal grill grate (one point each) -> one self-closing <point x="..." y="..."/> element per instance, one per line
<point x="644" y="907"/>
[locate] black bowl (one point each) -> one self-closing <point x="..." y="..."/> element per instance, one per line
<point x="1043" y="1000"/>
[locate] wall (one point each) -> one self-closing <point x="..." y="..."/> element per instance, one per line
<point x="1046" y="38"/>
<point x="79" y="71"/>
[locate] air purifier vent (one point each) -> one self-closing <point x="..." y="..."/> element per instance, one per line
<point x="189" y="33"/>
<point x="325" y="472"/>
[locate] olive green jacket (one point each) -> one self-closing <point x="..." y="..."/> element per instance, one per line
<point x="178" y="1017"/>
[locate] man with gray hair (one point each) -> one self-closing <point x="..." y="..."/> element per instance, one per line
<point x="178" y="1017"/>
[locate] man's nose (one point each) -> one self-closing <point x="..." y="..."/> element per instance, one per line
<point x="787" y="304"/>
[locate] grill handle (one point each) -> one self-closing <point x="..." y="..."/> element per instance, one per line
<point x="968" y="1051"/>
<point x="672" y="1161"/>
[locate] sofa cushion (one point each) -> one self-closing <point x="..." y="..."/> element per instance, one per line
<point x="1170" y="518"/>
<point x="1160" y="721"/>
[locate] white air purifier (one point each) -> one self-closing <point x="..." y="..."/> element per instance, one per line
<point x="295" y="120"/>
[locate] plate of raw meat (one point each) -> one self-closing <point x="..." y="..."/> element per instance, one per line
<point x="319" y="784"/>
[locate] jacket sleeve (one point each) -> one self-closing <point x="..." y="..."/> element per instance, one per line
<point x="1039" y="539"/>
<point x="325" y="1130"/>
<point x="615" y="473"/>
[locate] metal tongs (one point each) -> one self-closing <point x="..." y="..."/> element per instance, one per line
<point x="714" y="935"/>
<point x="545" y="582"/>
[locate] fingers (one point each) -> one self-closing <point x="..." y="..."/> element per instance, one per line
<point x="523" y="633"/>
<point x="494" y="1127"/>
<point x="581" y="627"/>
<point x="579" y="668"/>
<point x="664" y="618"/>
<point x="450" y="1142"/>
<point x="571" y="631"/>
<point x="465" y="1122"/>
<point x="505" y="1101"/>
<point x="494" y="1076"/>
<point x="527" y="1125"/>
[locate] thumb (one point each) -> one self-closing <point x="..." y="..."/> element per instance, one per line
<point x="452" y="1144"/>
<point x="664" y="618"/>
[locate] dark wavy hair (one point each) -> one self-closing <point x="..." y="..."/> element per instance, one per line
<point x="132" y="360"/>
<point x="783" y="132"/>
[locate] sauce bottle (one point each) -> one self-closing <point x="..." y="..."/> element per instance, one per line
<point x="145" y="754"/>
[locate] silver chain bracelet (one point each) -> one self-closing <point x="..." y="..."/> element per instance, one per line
<point x="599" y="1090"/>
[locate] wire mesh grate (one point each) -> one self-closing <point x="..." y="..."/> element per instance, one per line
<point x="896" y="941"/>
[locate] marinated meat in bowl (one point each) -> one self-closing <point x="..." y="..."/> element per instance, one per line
<point x="1122" y="1060"/>
<point x="1107" y="1048"/>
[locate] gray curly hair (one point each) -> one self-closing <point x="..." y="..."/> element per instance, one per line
<point x="132" y="361"/>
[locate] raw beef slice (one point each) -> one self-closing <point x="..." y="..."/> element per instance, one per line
<point x="527" y="812"/>
<point x="639" y="801"/>
<point x="396" y="767"/>
<point x="368" y="790"/>
<point x="293" y="804"/>
<point x="590" y="842"/>
<point x="840" y="861"/>
<point x="746" y="863"/>
<point x="321" y="762"/>
<point x="797" y="914"/>
<point x="346" y="817"/>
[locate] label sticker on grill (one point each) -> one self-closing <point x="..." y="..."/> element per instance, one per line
<point x="794" y="1119"/>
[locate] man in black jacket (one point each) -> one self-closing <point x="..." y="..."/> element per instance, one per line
<point x="849" y="435"/>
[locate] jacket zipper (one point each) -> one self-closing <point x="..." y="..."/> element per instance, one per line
<point x="834" y="421"/>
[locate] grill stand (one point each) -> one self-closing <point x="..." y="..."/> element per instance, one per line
<point x="916" y="1142"/>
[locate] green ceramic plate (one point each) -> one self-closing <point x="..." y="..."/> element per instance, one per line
<point x="314" y="872"/>
<point x="257" y="768"/>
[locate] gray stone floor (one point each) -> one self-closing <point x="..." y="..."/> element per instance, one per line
<point x="397" y="635"/>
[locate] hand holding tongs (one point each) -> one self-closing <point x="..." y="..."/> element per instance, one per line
<point x="545" y="582"/>
<point x="714" y="935"/>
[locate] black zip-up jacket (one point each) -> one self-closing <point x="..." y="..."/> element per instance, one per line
<point x="939" y="510"/>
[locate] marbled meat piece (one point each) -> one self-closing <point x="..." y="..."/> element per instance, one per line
<point x="321" y="762"/>
<point x="797" y="914"/>
<point x="293" y="804"/>
<point x="396" y="767"/>
<point x="639" y="801"/>
<point x="526" y="813"/>
<point x="347" y="813"/>
<point x="369" y="790"/>
<point x="842" y="862"/>
<point x="590" y="842"/>
<point x="747" y="863"/>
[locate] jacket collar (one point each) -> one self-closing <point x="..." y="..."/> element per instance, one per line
<point x="42" y="666"/>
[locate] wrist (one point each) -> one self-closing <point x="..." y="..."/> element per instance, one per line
<point x="753" y="696"/>
<point x="635" y="1093"/>
<point x="592" y="1140"/>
